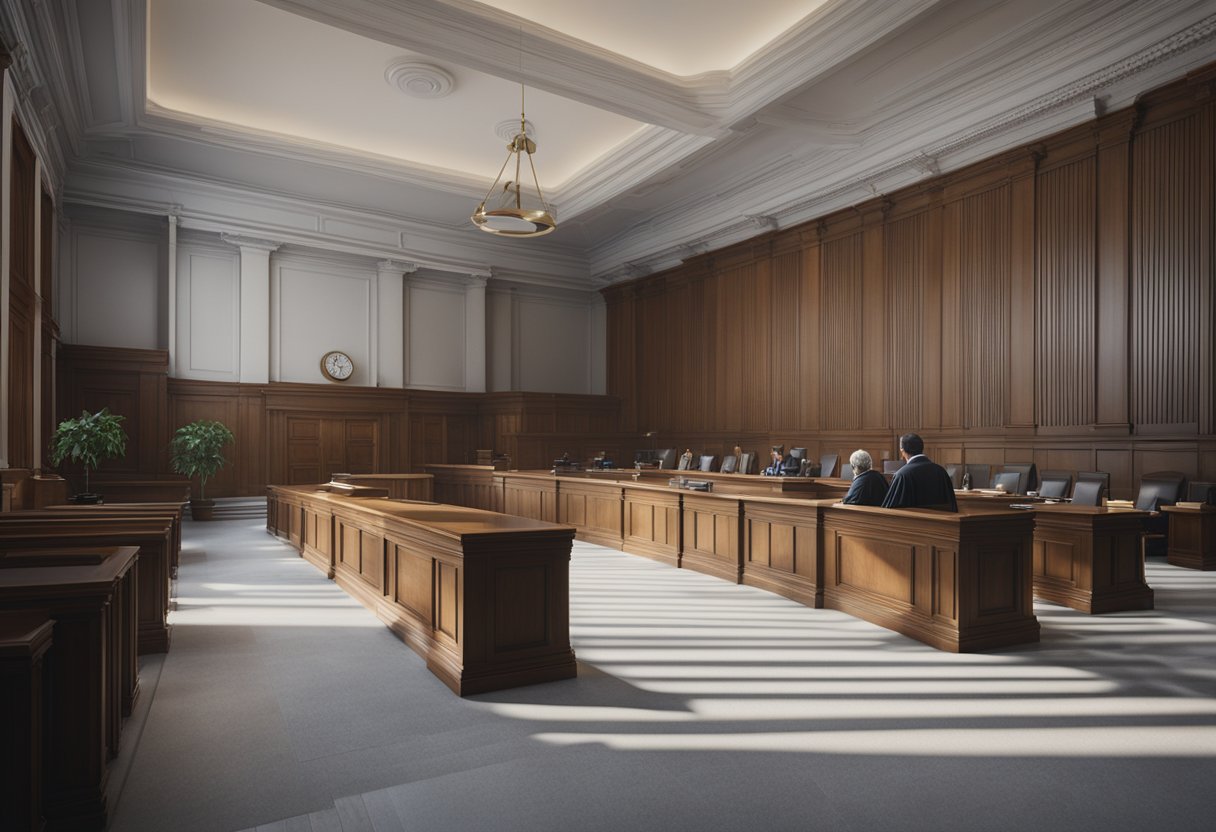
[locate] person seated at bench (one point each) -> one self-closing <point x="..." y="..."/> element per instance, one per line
<point x="921" y="483"/>
<point x="869" y="487"/>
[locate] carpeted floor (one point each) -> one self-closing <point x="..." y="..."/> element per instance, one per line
<point x="284" y="705"/>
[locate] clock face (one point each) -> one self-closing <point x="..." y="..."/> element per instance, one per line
<point x="337" y="365"/>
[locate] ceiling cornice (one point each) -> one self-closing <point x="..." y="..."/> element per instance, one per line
<point x="223" y="208"/>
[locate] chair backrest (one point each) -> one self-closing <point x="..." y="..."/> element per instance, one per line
<point x="981" y="475"/>
<point x="730" y="464"/>
<point x="1201" y="492"/>
<point x="1028" y="475"/>
<point x="1162" y="488"/>
<point x="685" y="463"/>
<point x="1055" y="484"/>
<point x="956" y="474"/>
<point x="890" y="466"/>
<point x="1095" y="476"/>
<point x="1007" y="481"/>
<point x="1088" y="493"/>
<point x="846" y="471"/>
<point x="708" y="462"/>
<point x="666" y="457"/>
<point x="798" y="453"/>
<point x="747" y="463"/>
<point x="827" y="464"/>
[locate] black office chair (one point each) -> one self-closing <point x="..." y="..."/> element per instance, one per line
<point x="1055" y="484"/>
<point x="666" y="458"/>
<point x="956" y="474"/>
<point x="1028" y="476"/>
<point x="846" y="471"/>
<point x="730" y="464"/>
<point x="686" y="463"/>
<point x="1095" y="476"/>
<point x="709" y="462"/>
<point x="748" y="464"/>
<point x="1007" y="481"/>
<point x="890" y="466"/>
<point x="981" y="475"/>
<point x="1201" y="492"/>
<point x="1162" y="488"/>
<point x="827" y="464"/>
<point x="1088" y="493"/>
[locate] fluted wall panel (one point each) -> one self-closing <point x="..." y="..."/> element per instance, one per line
<point x="1065" y="316"/>
<point x="984" y="270"/>
<point x="1166" y="274"/>
<point x="840" y="348"/>
<point x="907" y="261"/>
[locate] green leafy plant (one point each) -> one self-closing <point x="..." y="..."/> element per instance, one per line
<point x="196" y="450"/>
<point x="89" y="439"/>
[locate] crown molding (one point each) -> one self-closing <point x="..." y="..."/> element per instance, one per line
<point x="890" y="161"/>
<point x="220" y="208"/>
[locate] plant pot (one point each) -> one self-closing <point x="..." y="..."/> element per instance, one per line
<point x="202" y="509"/>
<point x="86" y="498"/>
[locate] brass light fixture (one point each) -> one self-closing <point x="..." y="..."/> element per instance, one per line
<point x="514" y="213"/>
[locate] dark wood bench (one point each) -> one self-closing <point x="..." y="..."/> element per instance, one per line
<point x="173" y="510"/>
<point x="25" y="638"/>
<point x="152" y="535"/>
<point x="91" y="671"/>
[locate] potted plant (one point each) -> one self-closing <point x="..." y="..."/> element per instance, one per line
<point x="88" y="440"/>
<point x="196" y="452"/>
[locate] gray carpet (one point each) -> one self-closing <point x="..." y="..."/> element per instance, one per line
<point x="699" y="705"/>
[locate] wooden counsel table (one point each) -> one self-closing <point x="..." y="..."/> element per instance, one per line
<point x="1192" y="536"/>
<point x="483" y="597"/>
<point x="1089" y="558"/>
<point x="959" y="582"/>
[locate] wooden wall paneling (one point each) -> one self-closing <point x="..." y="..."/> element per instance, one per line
<point x="185" y="407"/>
<point x="1022" y="343"/>
<point x="840" y="351"/>
<point x="1166" y="277"/>
<point x="48" y="331"/>
<point x="1066" y="314"/>
<point x="21" y="310"/>
<point x="1113" y="251"/>
<point x="622" y="351"/>
<point x="810" y="330"/>
<point x="873" y="312"/>
<point x="1205" y="93"/>
<point x="786" y="364"/>
<point x="909" y="303"/>
<point x="951" y="309"/>
<point x="985" y="266"/>
<point x="1118" y="463"/>
<point x="756" y="292"/>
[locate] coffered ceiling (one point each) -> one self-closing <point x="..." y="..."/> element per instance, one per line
<point x="664" y="129"/>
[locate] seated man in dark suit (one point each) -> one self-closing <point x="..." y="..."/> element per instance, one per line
<point x="921" y="483"/>
<point x="869" y="487"/>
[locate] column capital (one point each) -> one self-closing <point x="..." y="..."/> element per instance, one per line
<point x="475" y="281"/>
<point x="253" y="243"/>
<point x="402" y="267"/>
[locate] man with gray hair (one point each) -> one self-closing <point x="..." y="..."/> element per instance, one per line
<point x="869" y="487"/>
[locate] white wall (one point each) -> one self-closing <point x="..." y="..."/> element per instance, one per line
<point x="435" y="333"/>
<point x="208" y="310"/>
<point x="114" y="282"/>
<point x="318" y="305"/>
<point x="113" y="273"/>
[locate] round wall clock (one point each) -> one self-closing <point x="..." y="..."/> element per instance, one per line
<point x="337" y="366"/>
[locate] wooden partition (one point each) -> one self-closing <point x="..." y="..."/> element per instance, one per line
<point x="959" y="582"/>
<point x="1052" y="304"/>
<point x="484" y="598"/>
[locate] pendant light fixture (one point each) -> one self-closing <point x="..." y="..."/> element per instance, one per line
<point x="514" y="211"/>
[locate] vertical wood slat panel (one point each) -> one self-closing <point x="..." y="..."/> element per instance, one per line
<point x="1066" y="229"/>
<point x="784" y="322"/>
<point x="1166" y="274"/>
<point x="839" y="352"/>
<point x="906" y="262"/>
<point x="984" y="271"/>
